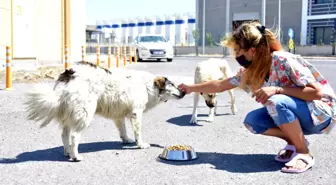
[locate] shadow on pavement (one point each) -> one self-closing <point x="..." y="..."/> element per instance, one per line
<point x="56" y="154"/>
<point x="235" y="163"/>
<point x="184" y="120"/>
<point x="202" y="107"/>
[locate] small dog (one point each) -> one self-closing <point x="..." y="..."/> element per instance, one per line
<point x="86" y="90"/>
<point x="211" y="69"/>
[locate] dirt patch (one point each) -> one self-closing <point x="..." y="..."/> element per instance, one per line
<point x="42" y="73"/>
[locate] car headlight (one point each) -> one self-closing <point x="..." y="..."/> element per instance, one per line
<point x="143" y="48"/>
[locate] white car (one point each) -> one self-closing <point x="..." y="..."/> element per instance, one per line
<point x="152" y="46"/>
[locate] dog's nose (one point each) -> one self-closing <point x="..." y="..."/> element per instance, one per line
<point x="182" y="94"/>
<point x="210" y="105"/>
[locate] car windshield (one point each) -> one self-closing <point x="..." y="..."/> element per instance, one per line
<point x="152" y="39"/>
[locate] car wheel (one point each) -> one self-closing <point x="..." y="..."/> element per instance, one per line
<point x="169" y="59"/>
<point x="138" y="57"/>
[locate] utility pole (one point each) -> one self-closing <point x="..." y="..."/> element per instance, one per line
<point x="203" y="33"/>
<point x="279" y="20"/>
<point x="334" y="39"/>
<point x="227" y="21"/>
<point x="263" y="12"/>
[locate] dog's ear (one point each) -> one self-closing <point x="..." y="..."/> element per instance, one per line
<point x="160" y="82"/>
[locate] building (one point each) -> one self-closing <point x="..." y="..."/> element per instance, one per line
<point x="176" y="28"/>
<point x="311" y="20"/>
<point x="39" y="29"/>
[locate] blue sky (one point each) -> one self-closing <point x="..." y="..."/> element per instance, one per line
<point x="114" y="9"/>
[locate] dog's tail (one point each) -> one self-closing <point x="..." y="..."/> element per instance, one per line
<point x="42" y="104"/>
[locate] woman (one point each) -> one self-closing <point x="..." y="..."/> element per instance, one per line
<point x="296" y="99"/>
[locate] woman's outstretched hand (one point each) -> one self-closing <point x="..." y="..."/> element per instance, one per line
<point x="185" y="88"/>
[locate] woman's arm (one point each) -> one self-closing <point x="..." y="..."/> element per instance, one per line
<point x="307" y="87"/>
<point x="213" y="86"/>
<point x="310" y="92"/>
<point x="296" y="81"/>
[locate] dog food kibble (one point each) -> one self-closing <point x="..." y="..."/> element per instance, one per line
<point x="179" y="147"/>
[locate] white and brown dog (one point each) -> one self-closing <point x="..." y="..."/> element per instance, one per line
<point x="211" y="69"/>
<point x="86" y="90"/>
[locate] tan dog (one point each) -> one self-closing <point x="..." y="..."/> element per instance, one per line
<point x="211" y="69"/>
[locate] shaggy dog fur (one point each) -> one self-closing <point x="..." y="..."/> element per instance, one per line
<point x="85" y="90"/>
<point x="211" y="69"/>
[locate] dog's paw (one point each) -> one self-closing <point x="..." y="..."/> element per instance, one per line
<point x="143" y="145"/>
<point x="210" y="119"/>
<point x="66" y="154"/>
<point x="193" y="119"/>
<point x="234" y="110"/>
<point x="127" y="140"/>
<point x="78" y="158"/>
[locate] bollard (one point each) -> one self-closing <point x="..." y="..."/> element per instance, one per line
<point x="109" y="57"/>
<point x="135" y="55"/>
<point x="124" y="53"/>
<point x="8" y="68"/>
<point x="83" y="53"/>
<point x="98" y="55"/>
<point x="130" y="54"/>
<point x="66" y="57"/>
<point x="117" y="56"/>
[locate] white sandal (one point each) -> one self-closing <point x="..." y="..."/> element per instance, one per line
<point x="309" y="160"/>
<point x="287" y="147"/>
<point x="284" y="160"/>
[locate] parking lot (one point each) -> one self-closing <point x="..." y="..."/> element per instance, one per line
<point x="228" y="153"/>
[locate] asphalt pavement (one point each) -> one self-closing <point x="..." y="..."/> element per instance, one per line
<point x="228" y="153"/>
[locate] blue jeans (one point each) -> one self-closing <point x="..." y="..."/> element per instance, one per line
<point x="284" y="109"/>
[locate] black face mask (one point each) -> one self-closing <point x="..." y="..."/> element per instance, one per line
<point x="243" y="62"/>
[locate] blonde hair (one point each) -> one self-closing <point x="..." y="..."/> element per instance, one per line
<point x="249" y="35"/>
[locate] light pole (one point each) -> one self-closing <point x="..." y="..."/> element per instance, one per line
<point x="227" y="22"/>
<point x="203" y="33"/>
<point x="279" y="20"/>
<point x="263" y="12"/>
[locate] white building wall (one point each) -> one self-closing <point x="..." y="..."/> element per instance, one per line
<point x="142" y="27"/>
<point x="78" y="24"/>
<point x="132" y="29"/>
<point x="150" y="25"/>
<point x="191" y="27"/>
<point x="163" y="25"/>
<point x="170" y="28"/>
<point x="49" y="39"/>
<point x="159" y="26"/>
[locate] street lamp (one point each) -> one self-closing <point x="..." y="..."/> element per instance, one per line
<point x="263" y="12"/>
<point x="279" y="20"/>
<point x="203" y="33"/>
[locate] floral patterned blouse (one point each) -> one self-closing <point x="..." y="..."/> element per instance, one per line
<point x="292" y="70"/>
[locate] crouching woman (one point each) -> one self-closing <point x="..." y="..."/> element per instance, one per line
<point x="297" y="100"/>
